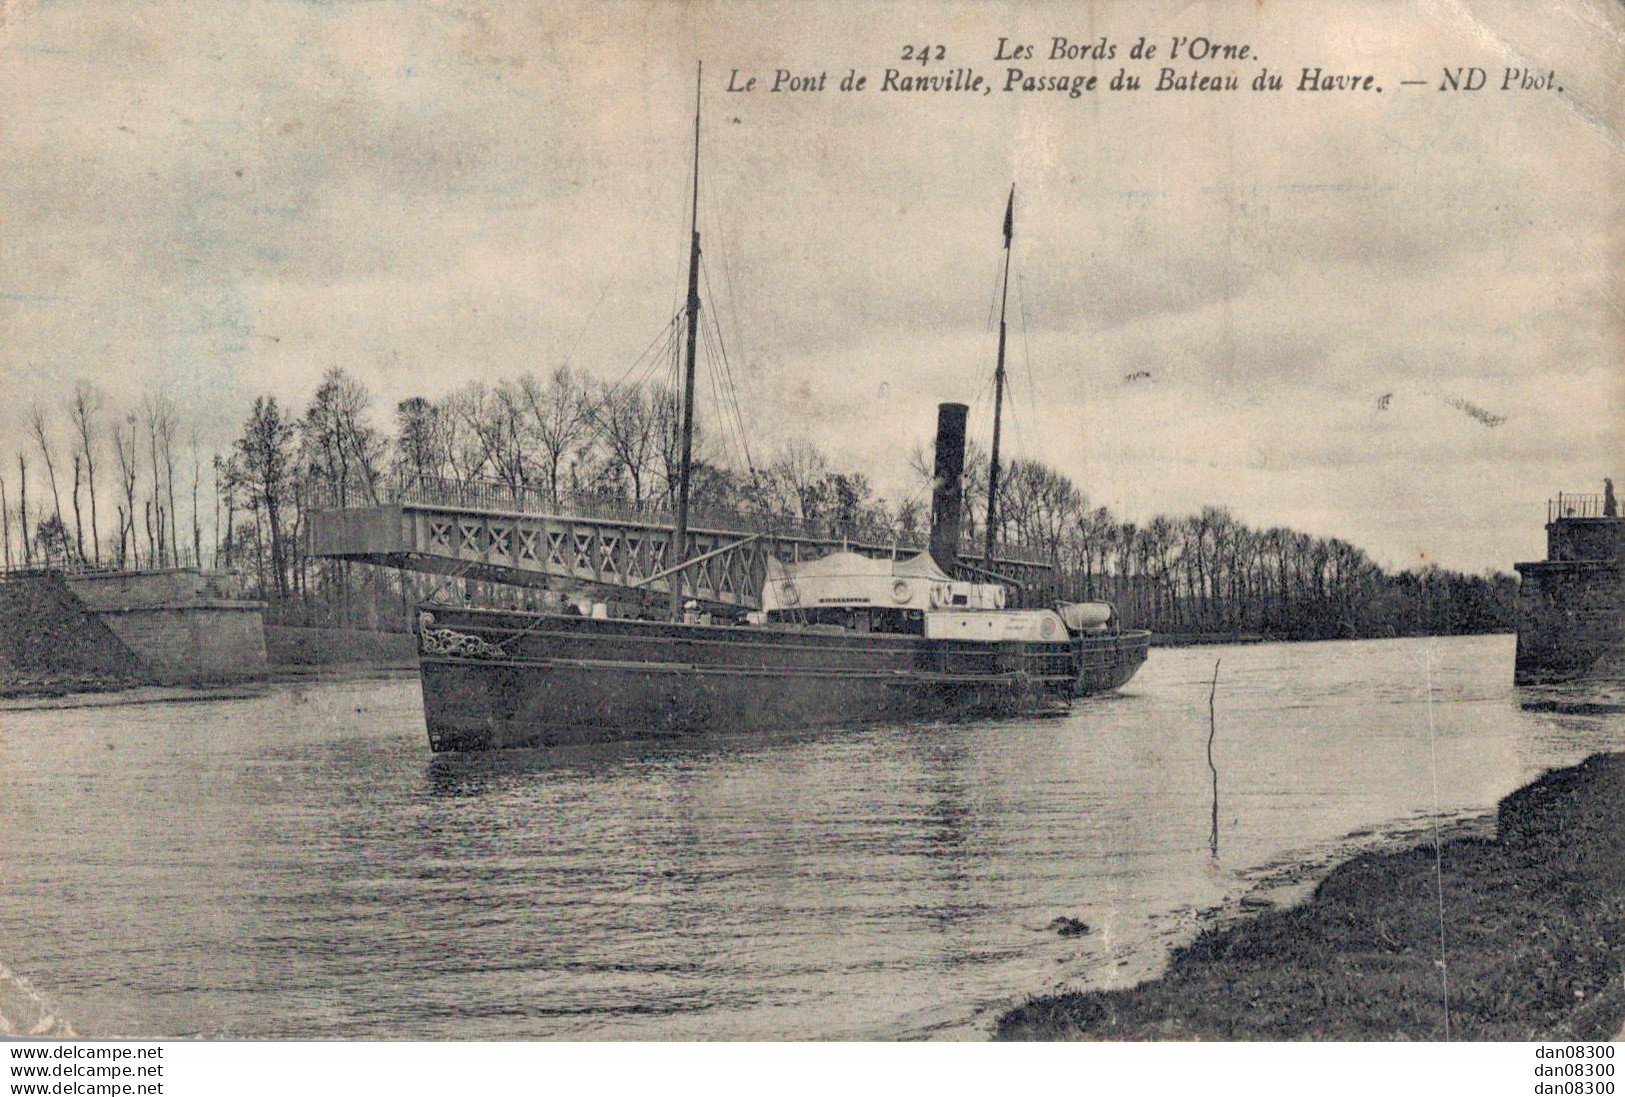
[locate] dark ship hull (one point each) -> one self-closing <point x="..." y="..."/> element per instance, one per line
<point x="495" y="679"/>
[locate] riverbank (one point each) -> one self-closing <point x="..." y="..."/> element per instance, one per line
<point x="1533" y="931"/>
<point x="292" y="653"/>
<point x="1193" y="639"/>
<point x="24" y="1012"/>
<point x="105" y="694"/>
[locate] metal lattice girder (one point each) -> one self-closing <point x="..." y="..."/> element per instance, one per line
<point x="605" y="554"/>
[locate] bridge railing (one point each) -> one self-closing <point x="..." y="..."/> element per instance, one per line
<point x="1576" y="505"/>
<point x="56" y="566"/>
<point x="486" y="494"/>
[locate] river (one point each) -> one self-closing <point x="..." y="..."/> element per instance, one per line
<point x="291" y="861"/>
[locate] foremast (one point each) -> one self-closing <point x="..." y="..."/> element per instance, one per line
<point x="680" y="534"/>
<point x="998" y="390"/>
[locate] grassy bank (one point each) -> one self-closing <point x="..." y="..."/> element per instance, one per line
<point x="1533" y="929"/>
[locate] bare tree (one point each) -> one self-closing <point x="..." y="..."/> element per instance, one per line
<point x="160" y="415"/>
<point x="667" y="408"/>
<point x="497" y="419"/>
<point x="627" y="428"/>
<point x="82" y="408"/>
<point x="124" y="448"/>
<point x="22" y="472"/>
<point x="799" y="472"/>
<point x="560" y="419"/>
<point x="216" y="465"/>
<point x="973" y="481"/>
<point x="265" y="471"/>
<point x="5" y="522"/>
<point x="338" y="448"/>
<point x="197" y="529"/>
<point x="166" y="441"/>
<point x="418" y="439"/>
<point x="459" y="446"/>
<point x="36" y="426"/>
<point x="78" y="525"/>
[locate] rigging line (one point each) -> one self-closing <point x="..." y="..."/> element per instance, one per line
<point x="722" y="350"/>
<point x="643" y="377"/>
<point x="711" y="373"/>
<point x="703" y="353"/>
<point x="729" y="424"/>
<point x="1026" y="351"/>
<point x="668" y="351"/>
<point x="685" y="241"/>
<point x="981" y="393"/>
<point x="919" y="490"/>
<point x="733" y="295"/>
<point x="715" y="225"/>
<point x="643" y="380"/>
<point x="642" y="383"/>
<point x="674" y="368"/>
<point x="993" y="298"/>
<point x="666" y="332"/>
<point x="659" y="193"/>
<point x="736" y="424"/>
<point x="1020" y="446"/>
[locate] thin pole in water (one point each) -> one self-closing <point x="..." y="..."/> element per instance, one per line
<point x="1438" y="854"/>
<point x="1213" y="730"/>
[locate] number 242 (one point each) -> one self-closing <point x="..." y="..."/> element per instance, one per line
<point x="923" y="54"/>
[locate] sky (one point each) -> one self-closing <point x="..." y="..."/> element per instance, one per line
<point x="1392" y="317"/>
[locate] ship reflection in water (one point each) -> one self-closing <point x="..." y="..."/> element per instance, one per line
<point x="292" y="865"/>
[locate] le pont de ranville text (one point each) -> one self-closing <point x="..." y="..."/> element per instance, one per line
<point x="1069" y="67"/>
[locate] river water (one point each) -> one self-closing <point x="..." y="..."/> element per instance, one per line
<point x="292" y="861"/>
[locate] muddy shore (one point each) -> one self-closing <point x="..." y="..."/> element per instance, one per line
<point x="99" y="692"/>
<point x="1533" y="934"/>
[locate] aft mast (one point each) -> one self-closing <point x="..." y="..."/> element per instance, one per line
<point x="680" y="535"/>
<point x="998" y="387"/>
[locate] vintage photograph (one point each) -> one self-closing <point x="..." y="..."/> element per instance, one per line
<point x="654" y="521"/>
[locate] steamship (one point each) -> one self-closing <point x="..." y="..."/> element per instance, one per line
<point x="840" y="640"/>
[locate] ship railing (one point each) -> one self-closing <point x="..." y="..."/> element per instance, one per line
<point x="1570" y="504"/>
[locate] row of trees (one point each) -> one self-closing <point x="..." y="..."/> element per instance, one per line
<point x="570" y="441"/>
<point x="1212" y="573"/>
<point x="145" y="516"/>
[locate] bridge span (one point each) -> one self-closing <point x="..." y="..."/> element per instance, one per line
<point x="616" y="552"/>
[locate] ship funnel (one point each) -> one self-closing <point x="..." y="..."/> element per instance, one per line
<point x="948" y="483"/>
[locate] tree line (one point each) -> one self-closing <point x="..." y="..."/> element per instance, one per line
<point x="568" y="440"/>
<point x="141" y="524"/>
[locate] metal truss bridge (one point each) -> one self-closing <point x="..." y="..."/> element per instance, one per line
<point x="615" y="552"/>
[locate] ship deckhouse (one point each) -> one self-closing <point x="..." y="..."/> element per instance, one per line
<point x="850" y="580"/>
<point x="906" y="595"/>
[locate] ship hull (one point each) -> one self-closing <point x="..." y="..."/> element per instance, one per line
<point x="499" y="679"/>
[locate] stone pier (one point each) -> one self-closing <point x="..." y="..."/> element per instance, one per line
<point x="177" y="625"/>
<point x="1571" y="606"/>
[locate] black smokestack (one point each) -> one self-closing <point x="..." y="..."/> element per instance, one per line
<point x="945" y="494"/>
